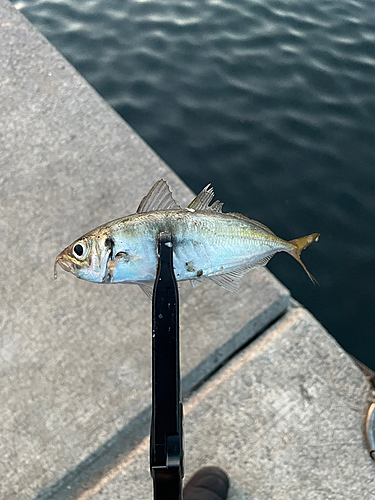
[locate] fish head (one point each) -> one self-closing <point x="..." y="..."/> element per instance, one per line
<point x="87" y="257"/>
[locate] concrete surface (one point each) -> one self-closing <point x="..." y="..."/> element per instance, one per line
<point x="284" y="419"/>
<point x="74" y="356"/>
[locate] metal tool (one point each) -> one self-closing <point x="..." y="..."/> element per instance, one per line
<point x="166" y="448"/>
<point x="370" y="430"/>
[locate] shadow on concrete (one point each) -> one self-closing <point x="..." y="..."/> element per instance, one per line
<point x="89" y="472"/>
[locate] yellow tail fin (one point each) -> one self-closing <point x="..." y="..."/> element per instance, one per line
<point x="300" y="244"/>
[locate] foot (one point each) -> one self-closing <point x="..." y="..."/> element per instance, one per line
<point x="209" y="483"/>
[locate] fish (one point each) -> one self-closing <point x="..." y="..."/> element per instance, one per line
<point x="207" y="243"/>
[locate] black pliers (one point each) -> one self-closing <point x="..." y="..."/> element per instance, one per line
<point x="166" y="449"/>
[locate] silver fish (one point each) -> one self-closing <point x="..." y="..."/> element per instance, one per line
<point x="207" y="243"/>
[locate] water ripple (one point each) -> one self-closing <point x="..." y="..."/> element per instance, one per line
<point x="272" y="100"/>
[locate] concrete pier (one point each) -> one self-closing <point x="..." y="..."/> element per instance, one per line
<point x="284" y="416"/>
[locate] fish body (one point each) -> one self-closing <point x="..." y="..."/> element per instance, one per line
<point x="206" y="243"/>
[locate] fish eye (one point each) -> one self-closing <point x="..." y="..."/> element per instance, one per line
<point x="79" y="250"/>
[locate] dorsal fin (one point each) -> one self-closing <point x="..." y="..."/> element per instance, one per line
<point x="203" y="200"/>
<point x="217" y="206"/>
<point x="239" y="216"/>
<point x="264" y="229"/>
<point x="158" y="198"/>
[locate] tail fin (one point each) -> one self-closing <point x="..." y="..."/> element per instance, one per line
<point x="300" y="244"/>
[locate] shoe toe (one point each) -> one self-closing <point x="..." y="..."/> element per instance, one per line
<point x="209" y="483"/>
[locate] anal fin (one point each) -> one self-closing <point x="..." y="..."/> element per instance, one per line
<point x="231" y="280"/>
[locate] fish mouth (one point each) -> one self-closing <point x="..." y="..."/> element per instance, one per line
<point x="63" y="263"/>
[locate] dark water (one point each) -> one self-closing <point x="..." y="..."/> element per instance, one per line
<point x="272" y="101"/>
